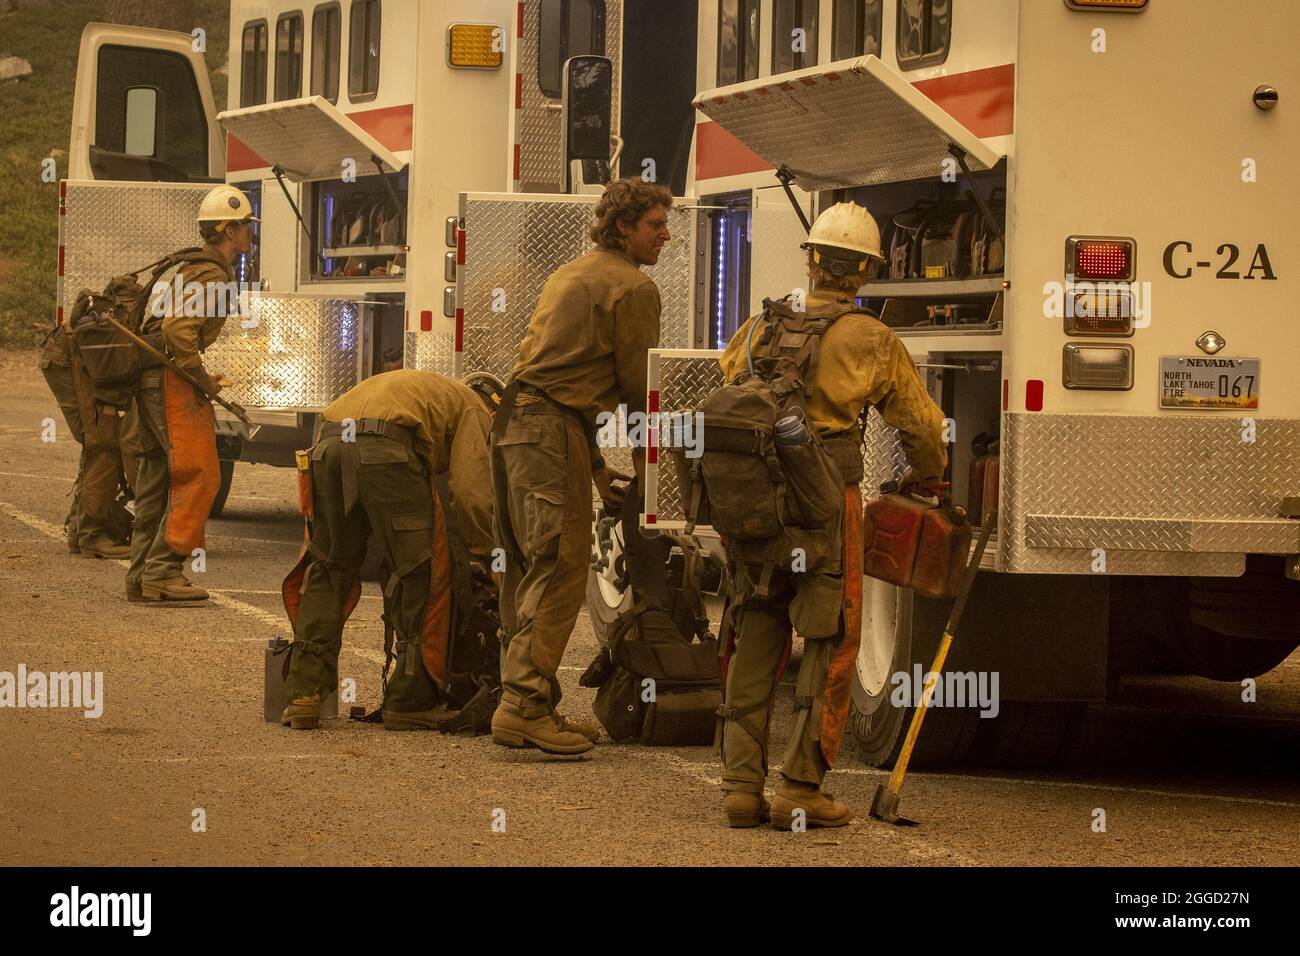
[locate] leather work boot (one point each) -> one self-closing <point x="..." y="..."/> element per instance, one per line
<point x="820" y="809"/>
<point x="177" y="588"/>
<point x="746" y="809"/>
<point x="415" y="719"/>
<point x="134" y="592"/>
<point x="584" y="727"/>
<point x="303" y="713"/>
<point x="545" y="733"/>
<point x="102" y="546"/>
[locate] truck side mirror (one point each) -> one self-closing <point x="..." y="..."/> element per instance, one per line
<point x="586" y="105"/>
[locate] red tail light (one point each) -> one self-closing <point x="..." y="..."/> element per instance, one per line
<point x="1108" y="260"/>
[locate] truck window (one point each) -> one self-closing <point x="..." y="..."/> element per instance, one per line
<point x="567" y="28"/>
<point x="737" y="41"/>
<point x="924" y="32"/>
<point x="363" y="51"/>
<point x="288" y="56"/>
<point x="856" y="28"/>
<point x="148" y="104"/>
<point x="794" y="34"/>
<point x="252" y="66"/>
<point x="326" y="31"/>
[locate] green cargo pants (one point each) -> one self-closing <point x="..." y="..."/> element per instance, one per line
<point x="811" y="604"/>
<point x="541" y="469"/>
<point x="151" y="558"/>
<point x="99" y="470"/>
<point x="393" y="499"/>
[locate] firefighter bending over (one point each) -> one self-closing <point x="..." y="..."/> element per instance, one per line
<point x="403" y="455"/>
<point x="848" y="364"/>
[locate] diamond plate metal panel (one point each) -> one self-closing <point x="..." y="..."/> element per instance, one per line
<point x="683" y="384"/>
<point x="1181" y="481"/>
<point x="513" y="245"/>
<point x="309" y="138"/>
<point x="537" y="130"/>
<point x="431" y="352"/>
<point x="108" y="229"/>
<point x="1257" y="536"/>
<point x="301" y="354"/>
<point x="799" y="119"/>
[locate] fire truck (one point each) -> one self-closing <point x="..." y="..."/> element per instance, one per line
<point x="1087" y="287"/>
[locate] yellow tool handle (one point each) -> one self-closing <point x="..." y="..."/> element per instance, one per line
<point x="914" y="729"/>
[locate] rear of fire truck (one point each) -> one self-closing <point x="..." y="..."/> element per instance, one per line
<point x="338" y="128"/>
<point x="1085" y="209"/>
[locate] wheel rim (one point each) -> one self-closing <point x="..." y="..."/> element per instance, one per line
<point x="879" y="632"/>
<point x="606" y="577"/>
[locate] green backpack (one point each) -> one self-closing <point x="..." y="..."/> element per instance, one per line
<point x="765" y="481"/>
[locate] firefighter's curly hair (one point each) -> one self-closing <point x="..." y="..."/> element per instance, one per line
<point x="626" y="199"/>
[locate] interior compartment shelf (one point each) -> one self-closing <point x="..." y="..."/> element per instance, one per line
<point x="930" y="288"/>
<point x="340" y="252"/>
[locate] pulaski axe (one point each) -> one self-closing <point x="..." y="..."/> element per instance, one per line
<point x="884" y="805"/>
<point x="233" y="407"/>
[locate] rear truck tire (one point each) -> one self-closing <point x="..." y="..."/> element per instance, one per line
<point x="877" y="723"/>
<point x="227" y="477"/>
<point x="1013" y="626"/>
<point x="1233" y="628"/>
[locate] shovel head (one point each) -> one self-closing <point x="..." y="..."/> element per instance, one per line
<point x="884" y="806"/>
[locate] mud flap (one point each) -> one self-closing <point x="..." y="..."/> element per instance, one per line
<point x="839" y="675"/>
<point x="192" y="462"/>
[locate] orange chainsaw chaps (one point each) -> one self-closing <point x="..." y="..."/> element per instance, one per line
<point x="195" y="471"/>
<point x="291" y="588"/>
<point x="839" y="674"/>
<point x="436" y="627"/>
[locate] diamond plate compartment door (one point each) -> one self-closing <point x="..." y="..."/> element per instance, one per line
<point x="513" y="243"/>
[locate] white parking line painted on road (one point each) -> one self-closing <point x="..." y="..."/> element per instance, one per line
<point x="222" y="600"/>
<point x="364" y="597"/>
<point x="1073" y="784"/>
<point x="23" y="474"/>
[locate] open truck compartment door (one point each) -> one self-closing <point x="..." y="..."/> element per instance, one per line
<point x="508" y="245"/>
<point x="290" y="354"/>
<point x="308" y="138"/>
<point x="142" y="108"/>
<point x="842" y="125"/>
<point x="350" y="190"/>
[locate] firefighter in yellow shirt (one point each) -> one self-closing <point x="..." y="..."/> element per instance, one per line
<point x="584" y="353"/>
<point x="179" y="473"/>
<point x="384" y="448"/>
<point x="860" y="364"/>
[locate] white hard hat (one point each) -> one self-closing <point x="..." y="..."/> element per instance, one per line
<point x="226" y="204"/>
<point x="848" y="227"/>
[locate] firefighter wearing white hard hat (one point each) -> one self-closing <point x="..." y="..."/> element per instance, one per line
<point x="860" y="364"/>
<point x="180" y="473"/>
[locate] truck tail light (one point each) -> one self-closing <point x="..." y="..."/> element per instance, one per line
<point x="1097" y="258"/>
<point x="1102" y="311"/>
<point x="1106" y="367"/>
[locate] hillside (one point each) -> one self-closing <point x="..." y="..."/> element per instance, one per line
<point x="35" y="114"/>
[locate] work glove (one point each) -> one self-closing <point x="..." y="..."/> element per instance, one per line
<point x="603" y="478"/>
<point x="910" y="484"/>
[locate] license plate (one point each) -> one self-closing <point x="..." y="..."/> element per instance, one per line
<point x="1199" y="381"/>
